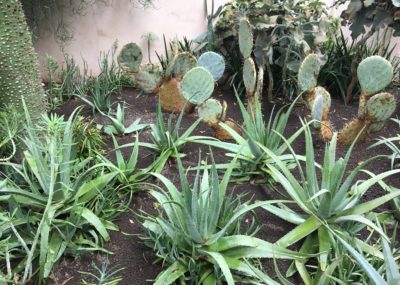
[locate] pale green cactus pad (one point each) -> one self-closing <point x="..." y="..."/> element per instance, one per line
<point x="249" y="75"/>
<point x="130" y="57"/>
<point x="214" y="63"/>
<point x="181" y="64"/>
<point x="245" y="38"/>
<point x="210" y="111"/>
<point x="149" y="78"/>
<point x="376" y="127"/>
<point x="308" y="72"/>
<point x="374" y="74"/>
<point x="197" y="85"/>
<point x="381" y="107"/>
<point x="317" y="110"/>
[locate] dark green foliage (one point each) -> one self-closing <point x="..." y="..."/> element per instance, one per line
<point x="19" y="66"/>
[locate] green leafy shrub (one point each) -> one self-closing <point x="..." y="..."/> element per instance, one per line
<point x="200" y="233"/>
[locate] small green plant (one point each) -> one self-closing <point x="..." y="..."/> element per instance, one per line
<point x="53" y="200"/>
<point x="118" y="124"/>
<point x="105" y="275"/>
<point x="11" y="126"/>
<point x="393" y="144"/>
<point x="90" y="140"/>
<point x="331" y="206"/>
<point x="167" y="142"/>
<point x="201" y="236"/>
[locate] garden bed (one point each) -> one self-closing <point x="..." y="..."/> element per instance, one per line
<point x="128" y="250"/>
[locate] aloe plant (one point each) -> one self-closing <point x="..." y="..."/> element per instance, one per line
<point x="199" y="235"/>
<point x="53" y="200"/>
<point x="330" y="206"/>
<point x="118" y="123"/>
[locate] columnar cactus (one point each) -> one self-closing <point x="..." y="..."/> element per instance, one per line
<point x="374" y="74"/>
<point x="19" y="65"/>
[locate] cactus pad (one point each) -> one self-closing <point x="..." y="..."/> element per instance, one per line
<point x="170" y="96"/>
<point x="374" y="74"/>
<point x="197" y="85"/>
<point x="222" y="134"/>
<point x="380" y="107"/>
<point x="317" y="111"/>
<point x="308" y="72"/>
<point x="149" y="78"/>
<point x="182" y="63"/>
<point x="326" y="131"/>
<point x="210" y="112"/>
<point x="249" y="75"/>
<point x="376" y="127"/>
<point x="245" y="38"/>
<point x="350" y="132"/>
<point x="130" y="57"/>
<point x="214" y="63"/>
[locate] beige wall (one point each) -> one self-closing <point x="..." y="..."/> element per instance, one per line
<point x="102" y="25"/>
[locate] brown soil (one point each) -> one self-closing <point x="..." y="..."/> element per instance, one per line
<point x="128" y="250"/>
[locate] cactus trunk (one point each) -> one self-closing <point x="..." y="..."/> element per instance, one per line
<point x="19" y="64"/>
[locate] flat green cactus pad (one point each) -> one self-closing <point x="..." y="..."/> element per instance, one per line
<point x="210" y="111"/>
<point x="214" y="63"/>
<point x="249" y="75"/>
<point x="381" y="107"/>
<point x="182" y="63"/>
<point x="308" y="72"/>
<point x="374" y="74"/>
<point x="376" y="127"/>
<point x="245" y="38"/>
<point x="197" y="85"/>
<point x="130" y="57"/>
<point x="149" y="78"/>
<point x="317" y="110"/>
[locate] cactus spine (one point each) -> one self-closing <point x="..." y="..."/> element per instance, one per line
<point x="19" y="65"/>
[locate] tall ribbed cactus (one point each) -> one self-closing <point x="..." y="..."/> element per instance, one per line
<point x="374" y="74"/>
<point x="19" y="65"/>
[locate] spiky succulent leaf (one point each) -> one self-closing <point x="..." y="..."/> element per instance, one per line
<point x="130" y="57"/>
<point x="317" y="110"/>
<point x="197" y="85"/>
<point x="214" y="63"/>
<point x="374" y="74"/>
<point x="308" y="72"/>
<point x="210" y="111"/>
<point x="249" y="75"/>
<point x="245" y="38"/>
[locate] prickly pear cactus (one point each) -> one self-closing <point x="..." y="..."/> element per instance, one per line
<point x="170" y="96"/>
<point x="210" y="112"/>
<point x="249" y="76"/>
<point x="317" y="110"/>
<point x="181" y="63"/>
<point x="245" y="38"/>
<point x="351" y="130"/>
<point x="308" y="73"/>
<point x="197" y="85"/>
<point x="380" y="108"/>
<point x="19" y="65"/>
<point x="374" y="74"/>
<point x="222" y="134"/>
<point x="149" y="78"/>
<point x="214" y="63"/>
<point x="130" y="57"/>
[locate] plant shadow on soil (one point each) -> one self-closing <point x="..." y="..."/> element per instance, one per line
<point x="128" y="250"/>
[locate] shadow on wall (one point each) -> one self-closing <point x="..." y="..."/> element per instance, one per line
<point x="98" y="29"/>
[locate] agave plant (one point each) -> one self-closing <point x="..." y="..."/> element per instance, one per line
<point x="200" y="236"/>
<point x="393" y="144"/>
<point x="331" y="207"/>
<point x="252" y="160"/>
<point x="53" y="200"/>
<point x="118" y="124"/>
<point x="167" y="142"/>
